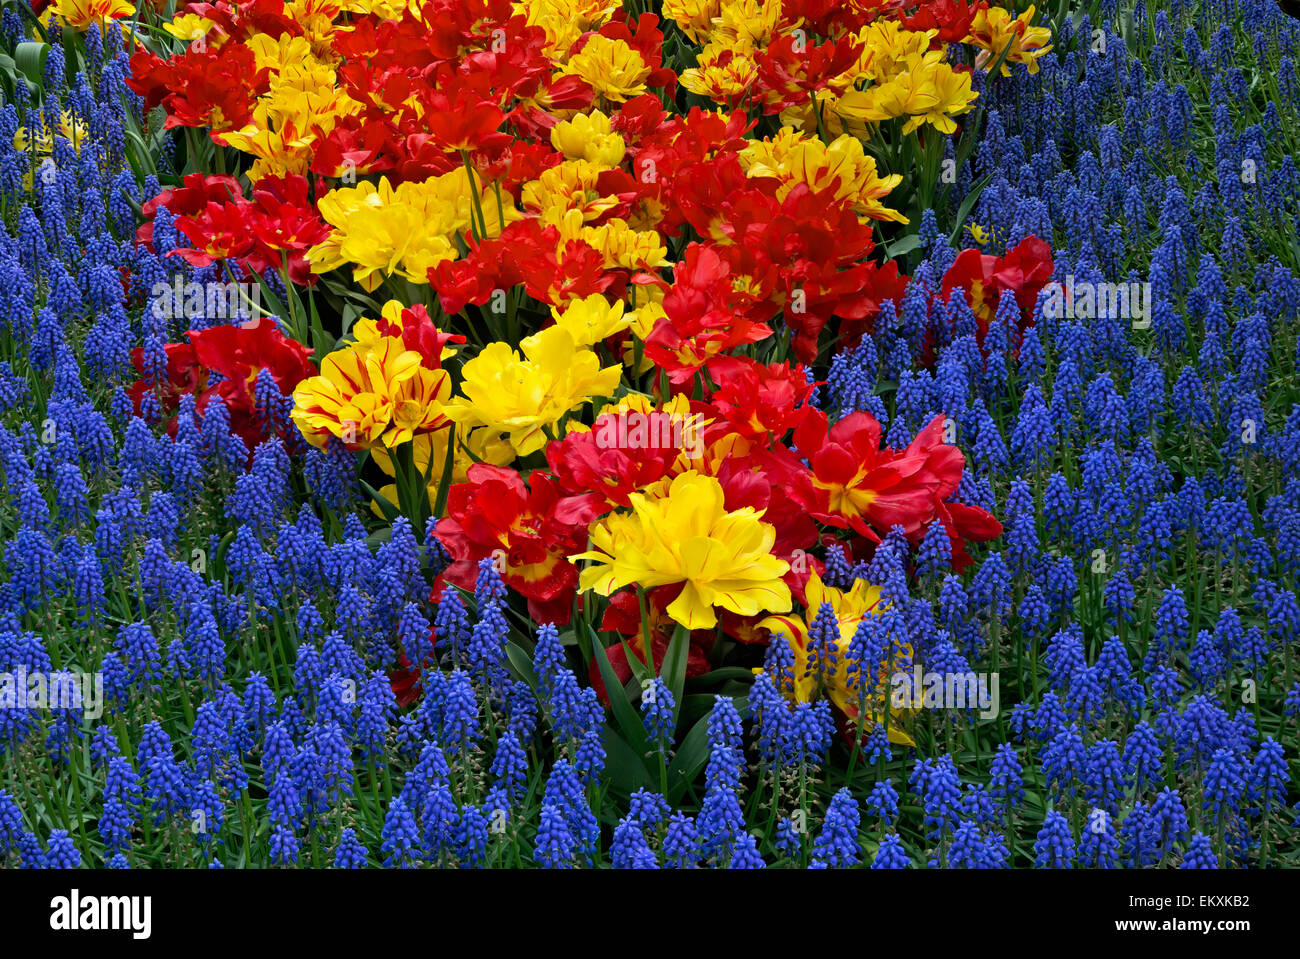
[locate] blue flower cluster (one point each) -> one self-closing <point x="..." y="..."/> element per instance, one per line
<point x="269" y="682"/>
<point x="1139" y="443"/>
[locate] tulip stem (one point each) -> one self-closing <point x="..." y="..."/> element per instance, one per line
<point x="477" y="227"/>
<point x="645" y="628"/>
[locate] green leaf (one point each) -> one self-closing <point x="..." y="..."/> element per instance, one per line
<point x="273" y="301"/>
<point x="689" y="759"/>
<point x="444" y="484"/>
<point x="967" y="205"/>
<point x="350" y="314"/>
<point x="624" y="714"/>
<point x="720" y="674"/>
<point x="1002" y="58"/>
<point x="698" y="704"/>
<point x="904" y="245"/>
<point x="133" y="158"/>
<point x="29" y="57"/>
<point x="522" y="662"/>
<point x="624" y="768"/>
<point x="319" y="338"/>
<point x="673" y="670"/>
<point x="385" y="505"/>
<point x="640" y="671"/>
<point x="219" y="557"/>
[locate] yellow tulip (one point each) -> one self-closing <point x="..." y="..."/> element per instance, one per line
<point x="524" y="396"/>
<point x="589" y="137"/>
<point x="841" y="165"/>
<point x="747" y="25"/>
<point x="80" y="14"/>
<point x="407" y="229"/>
<point x="591" y="320"/>
<point x="622" y="246"/>
<point x="906" y="94"/>
<point x="190" y="27"/>
<point x="718" y="77"/>
<point x="694" y="17"/>
<point x="72" y="129"/>
<point x="615" y="71"/>
<point x="993" y="28"/>
<point x="686" y="535"/>
<point x="570" y="185"/>
<point x="564" y="21"/>
<point x="887" y="48"/>
<point x="371" y="393"/>
<point x="955" y="97"/>
<point x="836" y="681"/>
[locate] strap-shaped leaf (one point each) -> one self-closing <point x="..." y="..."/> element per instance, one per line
<point x="624" y="714"/>
<point x="673" y="671"/>
<point x="29" y="57"/>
